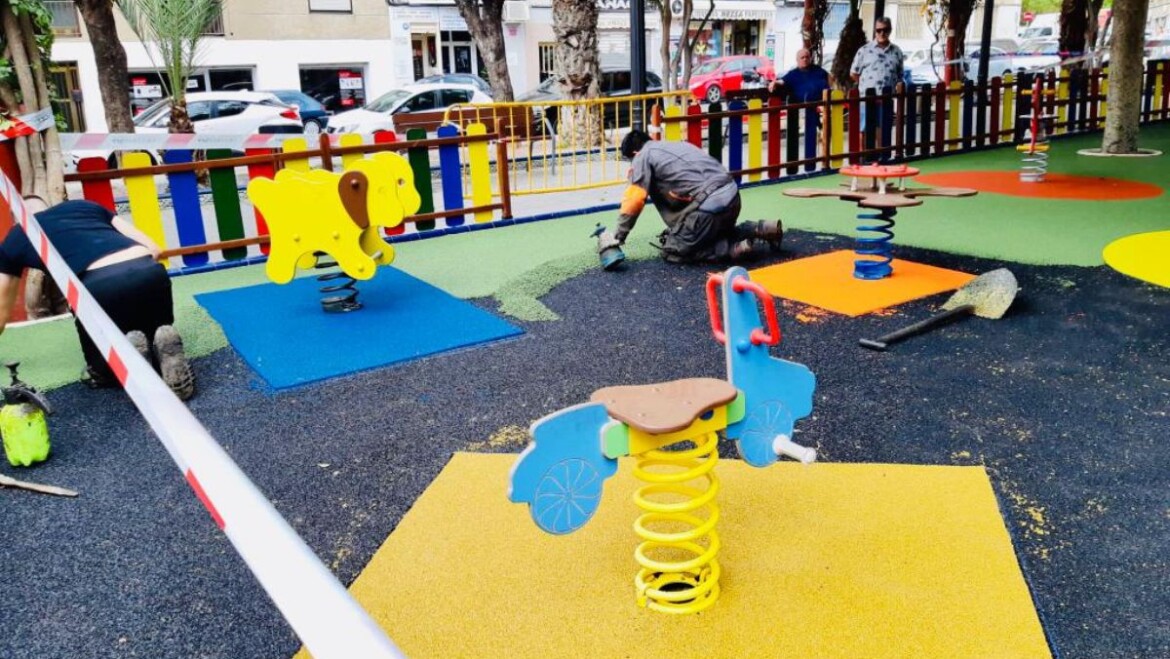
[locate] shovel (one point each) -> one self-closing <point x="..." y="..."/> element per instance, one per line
<point x="988" y="296"/>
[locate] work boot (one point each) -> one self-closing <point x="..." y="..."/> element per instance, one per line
<point x="771" y="231"/>
<point x="749" y="249"/>
<point x="172" y="362"/>
<point x="138" y="340"/>
<point x="95" y="379"/>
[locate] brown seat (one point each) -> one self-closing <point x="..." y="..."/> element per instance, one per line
<point x="661" y="408"/>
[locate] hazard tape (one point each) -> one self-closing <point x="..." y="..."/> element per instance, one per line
<point x="130" y="141"/>
<point x="13" y="127"/>
<point x="327" y="619"/>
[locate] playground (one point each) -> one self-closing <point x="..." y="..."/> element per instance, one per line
<point x="994" y="487"/>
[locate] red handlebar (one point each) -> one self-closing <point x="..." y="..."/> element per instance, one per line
<point x="739" y="285"/>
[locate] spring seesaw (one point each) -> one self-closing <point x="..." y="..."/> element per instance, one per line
<point x="879" y="200"/>
<point x="672" y="430"/>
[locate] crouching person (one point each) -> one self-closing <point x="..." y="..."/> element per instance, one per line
<point x="117" y="264"/>
<point x="697" y="199"/>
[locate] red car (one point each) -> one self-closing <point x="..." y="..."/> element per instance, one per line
<point x="711" y="79"/>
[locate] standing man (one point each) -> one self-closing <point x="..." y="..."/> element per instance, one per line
<point x="697" y="199"/>
<point x="117" y="264"/>
<point x="805" y="82"/>
<point x="878" y="66"/>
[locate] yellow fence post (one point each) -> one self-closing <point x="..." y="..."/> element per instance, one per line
<point x="755" y="138"/>
<point x="673" y="129"/>
<point x="837" y="127"/>
<point x="350" y="139"/>
<point x="1104" y="99"/>
<point x="145" y="212"/>
<point x="1007" y="120"/>
<point x="953" y="108"/>
<point x="296" y="145"/>
<point x="1062" y="103"/>
<point x="481" y="172"/>
<point x="1156" y="105"/>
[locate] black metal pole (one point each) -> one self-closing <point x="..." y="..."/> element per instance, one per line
<point x="638" y="56"/>
<point x="879" y="10"/>
<point x="985" y="47"/>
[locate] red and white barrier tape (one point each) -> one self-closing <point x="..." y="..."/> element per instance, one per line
<point x="131" y="141"/>
<point x="327" y="619"/>
<point x="13" y="127"/>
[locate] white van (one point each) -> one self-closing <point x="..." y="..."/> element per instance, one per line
<point x="1043" y="26"/>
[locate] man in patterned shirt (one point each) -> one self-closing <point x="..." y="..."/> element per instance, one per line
<point x="878" y="66"/>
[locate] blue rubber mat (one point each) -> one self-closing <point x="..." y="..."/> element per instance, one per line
<point x="282" y="332"/>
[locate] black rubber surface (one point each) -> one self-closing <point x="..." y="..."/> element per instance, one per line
<point x="1065" y="400"/>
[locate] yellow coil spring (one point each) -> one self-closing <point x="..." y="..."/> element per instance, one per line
<point x="679" y="572"/>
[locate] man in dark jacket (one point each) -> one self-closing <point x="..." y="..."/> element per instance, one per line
<point x="697" y="199"/>
<point x="117" y="264"/>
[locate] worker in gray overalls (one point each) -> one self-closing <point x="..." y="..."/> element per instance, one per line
<point x="697" y="199"/>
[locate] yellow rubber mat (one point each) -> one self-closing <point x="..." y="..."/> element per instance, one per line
<point x="828" y="560"/>
<point x="1145" y="256"/>
<point x="827" y="281"/>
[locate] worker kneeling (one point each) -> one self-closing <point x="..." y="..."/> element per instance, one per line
<point x="697" y="199"/>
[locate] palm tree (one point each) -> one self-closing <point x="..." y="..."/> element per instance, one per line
<point x="175" y="28"/>
<point x="1125" y="77"/>
<point x="578" y="68"/>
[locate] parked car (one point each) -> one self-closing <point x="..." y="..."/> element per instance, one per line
<point x="220" y="113"/>
<point x="457" y="79"/>
<point x="614" y="84"/>
<point x="713" y="78"/>
<point x="314" y="115"/>
<point x="926" y="66"/>
<point x="1038" y="54"/>
<point x="412" y="106"/>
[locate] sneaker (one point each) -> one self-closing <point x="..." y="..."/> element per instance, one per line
<point x="138" y="340"/>
<point x="172" y="362"/>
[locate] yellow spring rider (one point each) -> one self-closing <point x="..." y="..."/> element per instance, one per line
<point x="672" y="430"/>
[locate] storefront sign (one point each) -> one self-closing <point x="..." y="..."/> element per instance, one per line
<point x="452" y="21"/>
<point x="349" y="83"/>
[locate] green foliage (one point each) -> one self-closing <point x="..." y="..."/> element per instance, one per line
<point x="175" y="28"/>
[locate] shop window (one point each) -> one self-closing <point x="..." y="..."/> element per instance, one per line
<point x="230" y="79"/>
<point x="64" y="21"/>
<point x="337" y="88"/>
<point x="344" y="6"/>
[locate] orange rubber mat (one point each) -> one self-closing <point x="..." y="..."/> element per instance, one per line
<point x="827" y="281"/>
<point x="1054" y="186"/>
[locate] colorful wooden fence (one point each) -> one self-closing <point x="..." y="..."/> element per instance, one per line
<point x="757" y="138"/>
<point x="203" y="234"/>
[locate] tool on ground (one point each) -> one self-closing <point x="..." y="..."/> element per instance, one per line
<point x="8" y="481"/>
<point x="609" y="250"/>
<point x="988" y="296"/>
<point x="22" y="422"/>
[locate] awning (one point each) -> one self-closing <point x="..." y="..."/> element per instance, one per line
<point x="735" y="10"/>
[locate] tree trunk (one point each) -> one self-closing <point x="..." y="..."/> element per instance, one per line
<point x="180" y="120"/>
<point x="851" y="41"/>
<point x="485" y="22"/>
<point x="110" y="56"/>
<point x="682" y="55"/>
<point x="28" y="93"/>
<point x="664" y="48"/>
<point x="54" y="164"/>
<point x="1125" y="76"/>
<point x="578" y="70"/>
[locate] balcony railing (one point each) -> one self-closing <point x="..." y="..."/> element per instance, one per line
<point x="215" y="28"/>
<point x="65" y="19"/>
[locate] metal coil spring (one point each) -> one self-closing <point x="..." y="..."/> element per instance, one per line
<point x="1034" y="166"/>
<point x="878" y="246"/>
<point x="341" y="297"/>
<point x="679" y="572"/>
